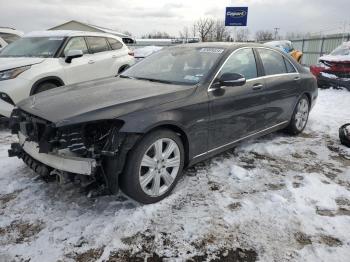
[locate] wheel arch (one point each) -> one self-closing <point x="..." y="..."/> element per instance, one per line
<point x="51" y="79"/>
<point x="123" y="68"/>
<point x="176" y="129"/>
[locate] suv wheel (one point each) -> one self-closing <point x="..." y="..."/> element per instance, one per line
<point x="153" y="167"/>
<point x="300" y="116"/>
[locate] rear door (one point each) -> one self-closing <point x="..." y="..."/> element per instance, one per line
<point x="102" y="56"/>
<point x="282" y="86"/>
<point x="236" y="112"/>
<point x="119" y="55"/>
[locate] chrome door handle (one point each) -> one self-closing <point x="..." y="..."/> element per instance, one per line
<point x="91" y="62"/>
<point x="296" y="78"/>
<point x="257" y="86"/>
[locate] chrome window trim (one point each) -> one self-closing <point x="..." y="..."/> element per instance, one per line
<point x="240" y="139"/>
<point x="252" y="79"/>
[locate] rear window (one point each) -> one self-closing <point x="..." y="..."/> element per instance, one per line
<point x="273" y="62"/>
<point x="114" y="43"/>
<point x="97" y="44"/>
<point x="290" y="67"/>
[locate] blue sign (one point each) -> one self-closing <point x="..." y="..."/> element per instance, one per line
<point x="236" y="16"/>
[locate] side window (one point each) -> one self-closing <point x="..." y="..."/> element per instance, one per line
<point x="273" y="62"/>
<point x="290" y="67"/>
<point x="97" y="44"/>
<point x="114" y="43"/>
<point x="76" y="43"/>
<point x="241" y="62"/>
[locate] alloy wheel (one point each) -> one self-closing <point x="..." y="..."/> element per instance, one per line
<point x="302" y="114"/>
<point x="159" y="167"/>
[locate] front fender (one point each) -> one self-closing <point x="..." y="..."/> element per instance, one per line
<point x="144" y="122"/>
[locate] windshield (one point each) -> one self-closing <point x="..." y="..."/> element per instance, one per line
<point x="341" y="50"/>
<point x="33" y="47"/>
<point x="178" y="65"/>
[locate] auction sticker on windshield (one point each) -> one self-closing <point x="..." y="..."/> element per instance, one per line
<point x="212" y="50"/>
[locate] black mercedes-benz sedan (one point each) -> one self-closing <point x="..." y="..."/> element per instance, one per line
<point x="175" y="108"/>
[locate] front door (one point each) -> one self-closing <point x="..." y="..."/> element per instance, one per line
<point x="236" y="112"/>
<point x="80" y="69"/>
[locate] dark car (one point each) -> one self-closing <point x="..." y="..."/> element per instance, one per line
<point x="173" y="109"/>
<point x="333" y="70"/>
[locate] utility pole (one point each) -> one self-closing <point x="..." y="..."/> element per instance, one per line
<point x="276" y="32"/>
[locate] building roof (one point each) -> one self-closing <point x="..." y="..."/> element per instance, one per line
<point x="98" y="28"/>
<point x="66" y="33"/>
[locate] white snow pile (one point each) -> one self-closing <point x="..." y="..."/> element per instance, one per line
<point x="146" y="51"/>
<point x="278" y="198"/>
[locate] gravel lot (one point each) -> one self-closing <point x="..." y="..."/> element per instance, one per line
<point x="278" y="198"/>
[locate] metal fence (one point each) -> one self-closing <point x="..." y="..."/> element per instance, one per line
<point x="314" y="47"/>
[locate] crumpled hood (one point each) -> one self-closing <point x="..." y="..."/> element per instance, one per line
<point x="101" y="99"/>
<point x="14" y="62"/>
<point x="345" y="59"/>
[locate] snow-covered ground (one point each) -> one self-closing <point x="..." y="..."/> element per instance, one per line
<point x="277" y="198"/>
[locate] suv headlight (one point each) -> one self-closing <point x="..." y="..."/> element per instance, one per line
<point x="12" y="73"/>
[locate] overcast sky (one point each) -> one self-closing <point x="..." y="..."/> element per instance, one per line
<point x="140" y="16"/>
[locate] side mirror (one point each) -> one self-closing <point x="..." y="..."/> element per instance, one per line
<point x="231" y="79"/>
<point x="71" y="54"/>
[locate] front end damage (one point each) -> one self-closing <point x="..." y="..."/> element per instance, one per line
<point x="82" y="153"/>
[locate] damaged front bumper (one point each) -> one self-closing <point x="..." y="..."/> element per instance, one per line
<point x="67" y="163"/>
<point x="327" y="82"/>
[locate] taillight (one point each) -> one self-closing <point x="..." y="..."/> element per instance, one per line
<point x="131" y="53"/>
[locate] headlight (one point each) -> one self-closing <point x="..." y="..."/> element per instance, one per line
<point x="12" y="73"/>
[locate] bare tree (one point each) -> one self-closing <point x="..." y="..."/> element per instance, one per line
<point x="242" y="35"/>
<point x="158" y="35"/>
<point x="221" y="32"/>
<point x="263" y="35"/>
<point x="204" y="28"/>
<point x="194" y="30"/>
<point x="184" y="34"/>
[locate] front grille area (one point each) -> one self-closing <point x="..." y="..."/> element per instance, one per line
<point x="35" y="128"/>
<point x="84" y="140"/>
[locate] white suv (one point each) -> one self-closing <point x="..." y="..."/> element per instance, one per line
<point x="8" y="35"/>
<point x="44" y="60"/>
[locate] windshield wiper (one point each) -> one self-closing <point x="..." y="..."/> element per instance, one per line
<point x="155" y="80"/>
<point x="124" y="76"/>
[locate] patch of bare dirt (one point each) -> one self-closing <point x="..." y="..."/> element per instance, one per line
<point x="330" y="241"/>
<point x="303" y="239"/>
<point x="19" y="232"/>
<point x="4" y="199"/>
<point x="234" y="206"/>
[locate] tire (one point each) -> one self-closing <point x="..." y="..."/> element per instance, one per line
<point x="344" y="135"/>
<point x="300" y="116"/>
<point x="153" y="171"/>
<point x="44" y="87"/>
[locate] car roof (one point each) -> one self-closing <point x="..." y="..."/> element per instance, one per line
<point x="225" y="45"/>
<point x="67" y="33"/>
<point x="10" y="31"/>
